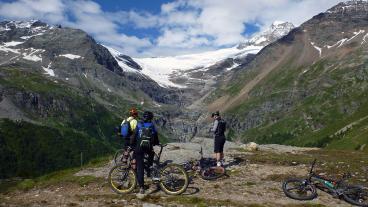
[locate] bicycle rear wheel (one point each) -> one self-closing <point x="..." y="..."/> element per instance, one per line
<point x="212" y="173"/>
<point x="122" y="179"/>
<point x="174" y="179"/>
<point x="356" y="195"/>
<point x="299" y="189"/>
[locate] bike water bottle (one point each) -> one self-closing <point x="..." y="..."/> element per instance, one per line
<point x="328" y="184"/>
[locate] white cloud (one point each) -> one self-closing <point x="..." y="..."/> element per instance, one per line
<point x="136" y="19"/>
<point x="184" y="25"/>
<point x="193" y="24"/>
<point x="52" y="10"/>
<point x="89" y="17"/>
<point x="84" y="14"/>
<point x="224" y="21"/>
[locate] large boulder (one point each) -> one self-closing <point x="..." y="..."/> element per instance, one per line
<point x="251" y="146"/>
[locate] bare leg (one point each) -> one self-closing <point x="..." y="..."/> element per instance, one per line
<point x="222" y="156"/>
<point x="218" y="156"/>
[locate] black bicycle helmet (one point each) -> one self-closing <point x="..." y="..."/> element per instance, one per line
<point x="217" y="113"/>
<point x="147" y="116"/>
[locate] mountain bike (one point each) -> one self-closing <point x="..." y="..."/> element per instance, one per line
<point x="305" y="189"/>
<point x="206" y="167"/>
<point x="171" y="178"/>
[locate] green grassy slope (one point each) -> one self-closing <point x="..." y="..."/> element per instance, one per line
<point x="65" y="123"/>
<point x="309" y="105"/>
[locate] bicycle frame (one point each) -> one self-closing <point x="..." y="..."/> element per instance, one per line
<point x="323" y="183"/>
<point x="158" y="155"/>
<point x="157" y="165"/>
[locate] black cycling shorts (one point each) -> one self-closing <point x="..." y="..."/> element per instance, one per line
<point x="219" y="144"/>
<point x="126" y="143"/>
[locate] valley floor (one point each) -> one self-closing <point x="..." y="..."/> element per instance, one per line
<point x="254" y="179"/>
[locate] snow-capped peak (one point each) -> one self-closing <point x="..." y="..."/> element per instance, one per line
<point x="24" y="24"/>
<point x="28" y="28"/>
<point x="277" y="30"/>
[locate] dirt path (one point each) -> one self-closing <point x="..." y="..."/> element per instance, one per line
<point x="247" y="184"/>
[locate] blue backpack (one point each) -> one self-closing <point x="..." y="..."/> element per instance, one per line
<point x="125" y="129"/>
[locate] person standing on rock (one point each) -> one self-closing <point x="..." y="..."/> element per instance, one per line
<point x="219" y="128"/>
<point x="145" y="137"/>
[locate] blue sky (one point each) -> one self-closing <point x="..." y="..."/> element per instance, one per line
<point x="144" y="28"/>
<point x="153" y="6"/>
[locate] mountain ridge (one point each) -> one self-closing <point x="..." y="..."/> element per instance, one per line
<point x="274" y="93"/>
<point x="59" y="85"/>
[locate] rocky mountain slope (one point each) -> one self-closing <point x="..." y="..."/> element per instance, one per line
<point x="59" y="87"/>
<point x="72" y="56"/>
<point x="309" y="88"/>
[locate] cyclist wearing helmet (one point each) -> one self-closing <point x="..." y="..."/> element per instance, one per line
<point x="145" y="137"/>
<point x="128" y="127"/>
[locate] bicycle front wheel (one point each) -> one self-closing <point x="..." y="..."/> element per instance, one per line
<point x="299" y="189"/>
<point x="174" y="179"/>
<point x="212" y="173"/>
<point x="118" y="156"/>
<point x="122" y="179"/>
<point x="356" y="195"/>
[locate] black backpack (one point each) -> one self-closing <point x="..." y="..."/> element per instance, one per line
<point x="221" y="127"/>
<point x="145" y="136"/>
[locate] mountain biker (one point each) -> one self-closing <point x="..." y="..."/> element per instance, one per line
<point x="128" y="127"/>
<point x="145" y="137"/>
<point x="219" y="128"/>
